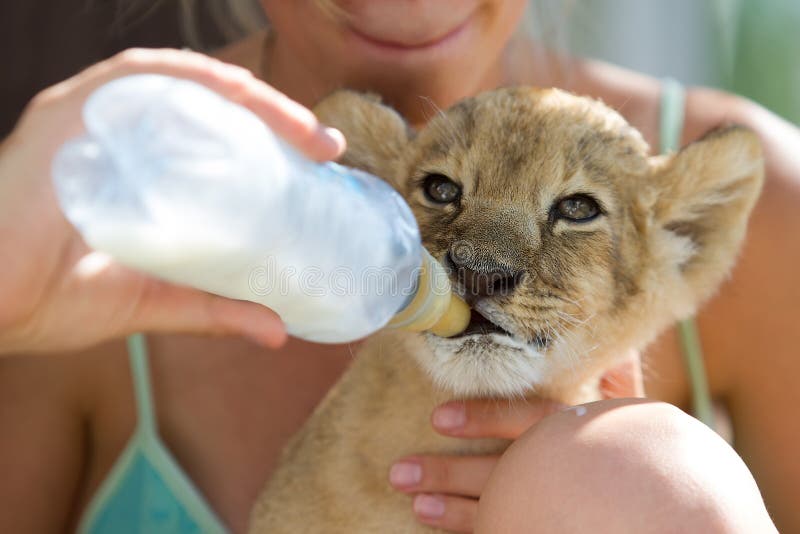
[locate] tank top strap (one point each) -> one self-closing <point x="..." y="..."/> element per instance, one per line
<point x="146" y="489"/>
<point x="140" y="371"/>
<point x="673" y="104"/>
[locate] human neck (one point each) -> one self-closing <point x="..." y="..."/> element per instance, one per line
<point x="414" y="100"/>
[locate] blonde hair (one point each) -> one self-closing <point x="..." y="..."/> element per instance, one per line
<point x="233" y="18"/>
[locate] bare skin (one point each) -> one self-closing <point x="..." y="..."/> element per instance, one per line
<point x="226" y="407"/>
<point x="691" y="484"/>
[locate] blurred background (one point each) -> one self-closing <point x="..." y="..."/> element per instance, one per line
<point x="751" y="47"/>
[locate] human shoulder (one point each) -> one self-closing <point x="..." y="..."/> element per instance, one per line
<point x="637" y="96"/>
<point x="634" y="95"/>
<point x="708" y="108"/>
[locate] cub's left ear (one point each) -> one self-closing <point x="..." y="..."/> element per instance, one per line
<point x="705" y="194"/>
<point x="376" y="134"/>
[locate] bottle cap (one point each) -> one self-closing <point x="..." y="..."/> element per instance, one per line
<point x="434" y="307"/>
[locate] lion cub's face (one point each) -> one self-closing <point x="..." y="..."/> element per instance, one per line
<point x="569" y="241"/>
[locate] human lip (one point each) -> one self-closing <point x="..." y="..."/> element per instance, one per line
<point x="400" y="47"/>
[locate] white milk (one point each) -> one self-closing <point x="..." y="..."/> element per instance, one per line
<point x="176" y="181"/>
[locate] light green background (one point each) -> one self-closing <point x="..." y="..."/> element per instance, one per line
<point x="751" y="47"/>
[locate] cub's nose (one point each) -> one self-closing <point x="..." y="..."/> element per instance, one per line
<point x="482" y="277"/>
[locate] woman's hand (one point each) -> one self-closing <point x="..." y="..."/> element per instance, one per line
<point x="446" y="489"/>
<point x="56" y="294"/>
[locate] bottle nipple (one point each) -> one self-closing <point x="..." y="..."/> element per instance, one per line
<point x="435" y="307"/>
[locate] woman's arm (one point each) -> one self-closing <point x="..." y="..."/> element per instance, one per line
<point x="751" y="330"/>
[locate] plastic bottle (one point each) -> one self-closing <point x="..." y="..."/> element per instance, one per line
<point x="176" y="181"/>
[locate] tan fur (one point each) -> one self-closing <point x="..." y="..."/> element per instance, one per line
<point x="671" y="228"/>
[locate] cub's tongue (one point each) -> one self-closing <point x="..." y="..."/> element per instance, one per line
<point x="478" y="324"/>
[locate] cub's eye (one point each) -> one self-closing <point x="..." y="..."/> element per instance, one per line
<point x="578" y="208"/>
<point x="441" y="189"/>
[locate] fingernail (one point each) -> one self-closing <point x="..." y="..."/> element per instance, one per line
<point x="269" y="340"/>
<point x="430" y="506"/>
<point x="234" y="71"/>
<point x="405" y="474"/>
<point x="334" y="137"/>
<point x="449" y="416"/>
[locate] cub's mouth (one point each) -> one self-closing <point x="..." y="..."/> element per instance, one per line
<point x="480" y="325"/>
<point x="499" y="354"/>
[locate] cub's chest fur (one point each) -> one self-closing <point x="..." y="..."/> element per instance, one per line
<point x="571" y="244"/>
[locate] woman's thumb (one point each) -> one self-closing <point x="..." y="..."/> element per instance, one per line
<point x="165" y="307"/>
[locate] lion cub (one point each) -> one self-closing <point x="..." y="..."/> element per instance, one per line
<point x="571" y="244"/>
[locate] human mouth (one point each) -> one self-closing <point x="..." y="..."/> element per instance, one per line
<point x="416" y="44"/>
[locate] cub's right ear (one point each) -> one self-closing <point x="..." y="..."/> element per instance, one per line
<point x="704" y="195"/>
<point x="376" y="134"/>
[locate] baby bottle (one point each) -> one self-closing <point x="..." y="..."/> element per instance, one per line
<point x="178" y="182"/>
